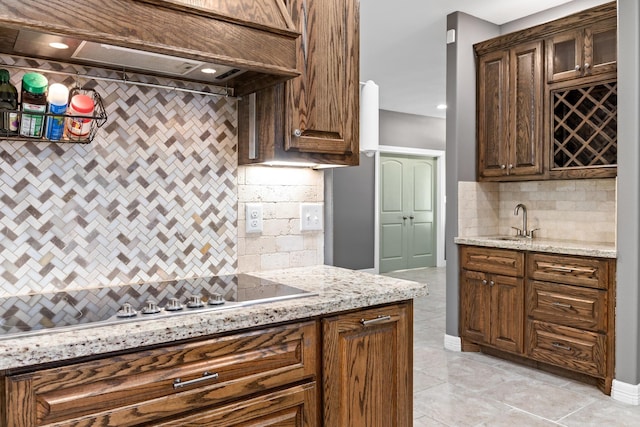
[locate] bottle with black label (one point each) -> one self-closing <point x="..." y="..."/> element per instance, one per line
<point x="8" y="101"/>
<point x="34" y="100"/>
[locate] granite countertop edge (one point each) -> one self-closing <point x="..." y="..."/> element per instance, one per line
<point x="337" y="290"/>
<point x="562" y="247"/>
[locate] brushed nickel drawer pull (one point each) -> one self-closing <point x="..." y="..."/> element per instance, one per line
<point x="378" y="319"/>
<point x="178" y="383"/>
<point x="563" y="269"/>
<point x="563" y="305"/>
<point x="560" y="346"/>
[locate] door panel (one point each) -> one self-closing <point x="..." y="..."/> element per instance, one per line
<point x="392" y="224"/>
<point x="392" y="200"/>
<point x="407" y="229"/>
<point x="421" y="239"/>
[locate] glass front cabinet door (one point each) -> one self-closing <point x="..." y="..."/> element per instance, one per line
<point x="581" y="53"/>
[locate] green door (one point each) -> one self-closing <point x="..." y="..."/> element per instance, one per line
<point x="407" y="212"/>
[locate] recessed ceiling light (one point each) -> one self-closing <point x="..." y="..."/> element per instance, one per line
<point x="58" y="45"/>
<point x="441" y="106"/>
<point x="208" y="70"/>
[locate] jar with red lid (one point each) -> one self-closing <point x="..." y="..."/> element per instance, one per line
<point x="79" y="127"/>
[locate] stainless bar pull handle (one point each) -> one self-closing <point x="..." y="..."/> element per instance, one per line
<point x="178" y="383"/>
<point x="563" y="305"/>
<point x="379" y="319"/>
<point x="560" y="346"/>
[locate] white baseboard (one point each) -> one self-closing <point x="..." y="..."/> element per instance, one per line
<point x="626" y="393"/>
<point x="452" y="343"/>
<point x="368" y="270"/>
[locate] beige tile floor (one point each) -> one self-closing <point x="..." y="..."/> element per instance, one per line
<point x="473" y="389"/>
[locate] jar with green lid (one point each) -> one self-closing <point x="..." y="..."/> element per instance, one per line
<point x="34" y="100"/>
<point x="8" y="105"/>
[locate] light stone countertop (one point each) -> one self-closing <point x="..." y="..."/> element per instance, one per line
<point x="338" y="290"/>
<point x="563" y="247"/>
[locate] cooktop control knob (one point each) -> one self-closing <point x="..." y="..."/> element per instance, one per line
<point x="126" y="311"/>
<point x="173" y="305"/>
<point x="151" y="307"/>
<point x="216" y="299"/>
<point x="195" y="301"/>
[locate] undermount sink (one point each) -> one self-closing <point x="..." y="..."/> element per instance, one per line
<point x="508" y="238"/>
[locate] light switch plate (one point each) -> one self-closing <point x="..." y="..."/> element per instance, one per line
<point x="253" y="218"/>
<point x="311" y="216"/>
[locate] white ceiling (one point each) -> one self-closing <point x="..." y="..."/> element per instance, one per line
<point x="403" y="45"/>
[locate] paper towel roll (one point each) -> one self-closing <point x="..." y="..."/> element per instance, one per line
<point x="369" y="118"/>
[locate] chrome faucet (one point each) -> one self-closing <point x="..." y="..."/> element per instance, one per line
<point x="524" y="232"/>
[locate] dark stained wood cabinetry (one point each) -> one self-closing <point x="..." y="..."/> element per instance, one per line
<point x="547" y="100"/>
<point x="558" y="311"/>
<point x="509" y="111"/>
<point x="314" y="117"/>
<point x="570" y="314"/>
<point x="367" y="359"/>
<point x="583" y="52"/>
<point x="492" y="302"/>
<point x="353" y="368"/>
<point x="259" y="41"/>
<point x="168" y="385"/>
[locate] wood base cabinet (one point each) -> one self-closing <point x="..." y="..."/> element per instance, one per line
<point x="352" y="369"/>
<point x="199" y="384"/>
<point x="559" y="315"/>
<point x="492" y="305"/>
<point x="570" y="314"/>
<point x="367" y="359"/>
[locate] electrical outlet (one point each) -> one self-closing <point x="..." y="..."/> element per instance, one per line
<point x="311" y="216"/>
<point x="253" y="218"/>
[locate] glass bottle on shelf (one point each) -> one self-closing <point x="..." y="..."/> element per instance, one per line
<point x="8" y="101"/>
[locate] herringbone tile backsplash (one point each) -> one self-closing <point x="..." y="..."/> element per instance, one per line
<point x="152" y="198"/>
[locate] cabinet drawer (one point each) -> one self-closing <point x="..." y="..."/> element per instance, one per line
<point x="295" y="407"/>
<point x="567" y="305"/>
<point x="591" y="272"/>
<point x="160" y="383"/>
<point x="571" y="348"/>
<point x="499" y="261"/>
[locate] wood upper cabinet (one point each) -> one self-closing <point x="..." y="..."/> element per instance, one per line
<point x="367" y="359"/>
<point x="510" y="101"/>
<point x="582" y="102"/>
<point x="492" y="305"/>
<point x="547" y="100"/>
<point x="587" y="51"/>
<point x="314" y="117"/>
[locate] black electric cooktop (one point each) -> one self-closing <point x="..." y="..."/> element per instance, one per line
<point x="41" y="313"/>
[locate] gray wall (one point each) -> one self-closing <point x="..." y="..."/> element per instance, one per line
<point x="461" y="163"/>
<point x="350" y="192"/>
<point x="461" y="136"/>
<point x="628" y="236"/>
<point x="353" y="215"/>
<point x="410" y="130"/>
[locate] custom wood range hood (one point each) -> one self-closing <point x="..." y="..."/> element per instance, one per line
<point x="250" y="43"/>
